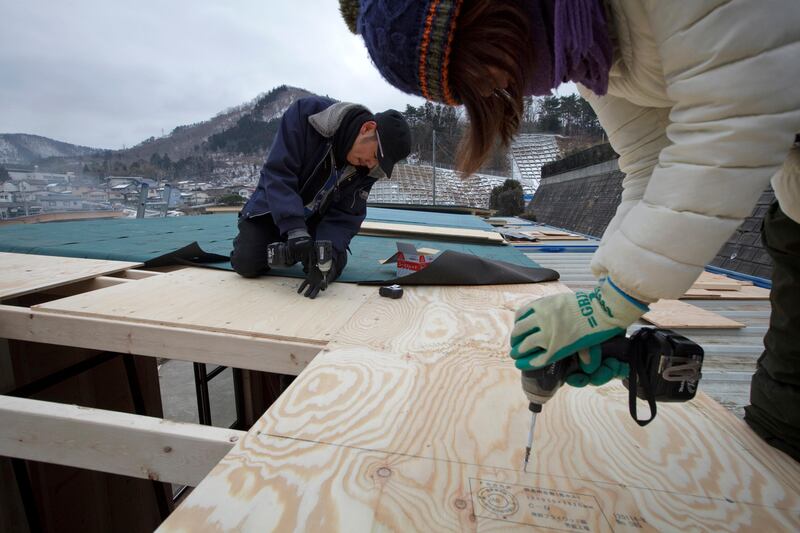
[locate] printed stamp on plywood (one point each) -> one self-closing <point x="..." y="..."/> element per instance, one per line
<point x="537" y="506"/>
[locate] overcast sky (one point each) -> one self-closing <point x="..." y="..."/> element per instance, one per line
<point x="109" y="74"/>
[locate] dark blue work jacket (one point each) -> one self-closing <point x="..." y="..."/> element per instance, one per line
<point x="298" y="166"/>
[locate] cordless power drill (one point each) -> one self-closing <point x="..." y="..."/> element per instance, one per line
<point x="664" y="367"/>
<point x="278" y="256"/>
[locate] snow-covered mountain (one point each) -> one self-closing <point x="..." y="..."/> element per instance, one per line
<point x="24" y="149"/>
<point x="188" y="140"/>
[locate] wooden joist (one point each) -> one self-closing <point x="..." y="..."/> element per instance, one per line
<point x="133" y="273"/>
<point x="239" y="351"/>
<point x="108" y="441"/>
<point x="100" y="282"/>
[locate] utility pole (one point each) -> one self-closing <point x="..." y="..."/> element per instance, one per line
<point x="140" y="211"/>
<point x="166" y="195"/>
<point x="434" y="167"/>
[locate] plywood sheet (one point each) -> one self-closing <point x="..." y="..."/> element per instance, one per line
<point x="218" y="300"/>
<point x="746" y="292"/>
<point x="276" y="484"/>
<point x="717" y="282"/>
<point x="25" y="273"/>
<point x="413" y="420"/>
<point x="434" y="232"/>
<point x="675" y="314"/>
<point x="712" y="277"/>
<point x="552" y="235"/>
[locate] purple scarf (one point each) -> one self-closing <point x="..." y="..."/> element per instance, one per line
<point x="571" y="43"/>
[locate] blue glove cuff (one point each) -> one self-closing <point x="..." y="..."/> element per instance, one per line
<point x="639" y="304"/>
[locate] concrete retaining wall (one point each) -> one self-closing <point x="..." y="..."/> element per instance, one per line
<point x="583" y="199"/>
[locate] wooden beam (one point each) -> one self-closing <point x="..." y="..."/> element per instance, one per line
<point x="100" y="282"/>
<point x="238" y="351"/>
<point x="388" y="229"/>
<point x="133" y="273"/>
<point x="108" y="441"/>
<point x="61" y="217"/>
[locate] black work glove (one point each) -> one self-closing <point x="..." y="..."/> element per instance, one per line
<point x="316" y="281"/>
<point x="301" y="247"/>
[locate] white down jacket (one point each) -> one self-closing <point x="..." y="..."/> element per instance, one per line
<point x="703" y="106"/>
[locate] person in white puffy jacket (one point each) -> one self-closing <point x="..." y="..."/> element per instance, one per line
<point x="701" y="99"/>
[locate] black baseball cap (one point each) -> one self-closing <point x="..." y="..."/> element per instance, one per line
<point x="394" y="139"/>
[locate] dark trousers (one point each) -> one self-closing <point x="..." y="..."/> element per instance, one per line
<point x="249" y="259"/>
<point x="249" y="255"/>
<point x="774" y="412"/>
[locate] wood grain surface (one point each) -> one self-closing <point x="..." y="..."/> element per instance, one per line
<point x="745" y="292"/>
<point x="276" y="484"/>
<point x="210" y="347"/>
<point x="674" y="314"/>
<point x="110" y="441"/>
<point x="25" y="273"/>
<point x="415" y="230"/>
<point x="720" y="282"/>
<point x="223" y="301"/>
<point x="413" y="420"/>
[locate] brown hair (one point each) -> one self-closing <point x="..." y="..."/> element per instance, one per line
<point x="489" y="33"/>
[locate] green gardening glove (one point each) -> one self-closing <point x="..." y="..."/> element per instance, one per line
<point x="561" y="325"/>
<point x="610" y="368"/>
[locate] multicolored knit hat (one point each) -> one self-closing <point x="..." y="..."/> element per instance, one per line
<point x="410" y="42"/>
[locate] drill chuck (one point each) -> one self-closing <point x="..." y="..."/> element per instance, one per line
<point x="324" y="254"/>
<point x="540" y="385"/>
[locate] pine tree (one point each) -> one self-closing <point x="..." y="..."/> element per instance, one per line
<point x="507" y="199"/>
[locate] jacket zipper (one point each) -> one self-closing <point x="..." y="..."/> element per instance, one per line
<point x="327" y="154"/>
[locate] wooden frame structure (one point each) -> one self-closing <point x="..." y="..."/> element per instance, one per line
<point x="406" y="415"/>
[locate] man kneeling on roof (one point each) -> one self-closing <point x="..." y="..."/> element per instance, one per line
<point x="315" y="183"/>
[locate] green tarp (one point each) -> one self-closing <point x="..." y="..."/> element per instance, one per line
<point x="142" y="240"/>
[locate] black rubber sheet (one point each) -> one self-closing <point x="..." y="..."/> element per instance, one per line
<point x="456" y="268"/>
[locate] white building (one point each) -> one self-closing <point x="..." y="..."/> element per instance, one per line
<point x="96" y="196"/>
<point x="50" y="177"/>
<point x="61" y="202"/>
<point x="113" y="181"/>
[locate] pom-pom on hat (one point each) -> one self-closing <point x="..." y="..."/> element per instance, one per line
<point x="410" y="42"/>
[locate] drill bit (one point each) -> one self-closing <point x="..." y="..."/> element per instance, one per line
<point x="530" y="443"/>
